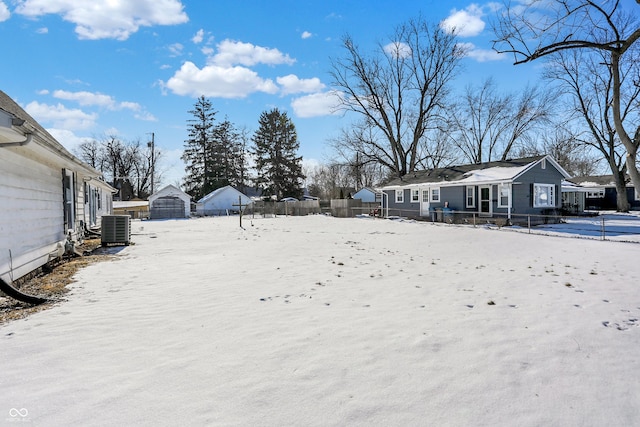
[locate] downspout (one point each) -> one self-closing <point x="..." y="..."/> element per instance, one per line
<point x="18" y="143"/>
<point x="510" y="202"/>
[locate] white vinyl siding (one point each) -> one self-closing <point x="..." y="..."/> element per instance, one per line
<point x="32" y="215"/>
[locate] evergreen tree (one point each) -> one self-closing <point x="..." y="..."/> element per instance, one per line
<point x="199" y="150"/>
<point x="229" y="155"/>
<point x="279" y="168"/>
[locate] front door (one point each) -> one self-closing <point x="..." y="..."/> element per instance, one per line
<point x="485" y="206"/>
<point x="424" y="202"/>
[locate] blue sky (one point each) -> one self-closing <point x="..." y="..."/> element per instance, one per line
<point x="91" y="68"/>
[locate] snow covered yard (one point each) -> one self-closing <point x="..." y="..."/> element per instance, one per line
<point x="318" y="321"/>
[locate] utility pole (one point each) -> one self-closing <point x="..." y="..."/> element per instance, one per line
<point x="153" y="162"/>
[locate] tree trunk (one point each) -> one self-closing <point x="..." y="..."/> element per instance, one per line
<point x="622" y="201"/>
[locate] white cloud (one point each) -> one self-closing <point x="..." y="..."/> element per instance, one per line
<point x="4" y="12"/>
<point x="465" y="23"/>
<point x="218" y="81"/>
<point x="397" y="50"/>
<point x="292" y="84"/>
<point x="317" y="104"/>
<point x="306" y="35"/>
<point x="43" y="30"/>
<point x="108" y="19"/>
<point x="145" y="116"/>
<point x="175" y="49"/>
<point x="232" y="52"/>
<point x="198" y="37"/>
<point x="67" y="138"/>
<point x="60" y="116"/>
<point x="86" y="98"/>
<point x="96" y="99"/>
<point x="481" y="55"/>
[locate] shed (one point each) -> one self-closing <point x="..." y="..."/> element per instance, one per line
<point x="49" y="196"/>
<point x="222" y="201"/>
<point x="169" y="202"/>
<point x="515" y="189"/>
<point x="366" y="194"/>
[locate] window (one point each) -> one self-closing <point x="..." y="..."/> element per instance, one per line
<point x="637" y="193"/>
<point x="504" y="199"/>
<point x="595" y="194"/>
<point x="435" y="194"/>
<point x="544" y="196"/>
<point x="415" y="196"/>
<point x="399" y="196"/>
<point x="425" y="196"/>
<point x="471" y="196"/>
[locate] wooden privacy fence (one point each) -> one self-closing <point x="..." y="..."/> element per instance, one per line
<point x="300" y="208"/>
<point x="348" y="208"/>
<point x="341" y="208"/>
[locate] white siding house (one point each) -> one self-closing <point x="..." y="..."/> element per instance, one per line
<point x="222" y="201"/>
<point x="47" y="194"/>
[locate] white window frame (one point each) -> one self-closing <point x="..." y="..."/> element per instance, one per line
<point x="504" y="190"/>
<point x="596" y="193"/>
<point x="415" y="195"/>
<point x="434" y="194"/>
<point x="470" y="196"/>
<point x="550" y="193"/>
<point x="400" y="196"/>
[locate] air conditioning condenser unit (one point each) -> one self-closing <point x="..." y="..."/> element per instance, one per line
<point x="116" y="229"/>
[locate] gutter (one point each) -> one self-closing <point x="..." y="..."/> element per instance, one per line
<point x="18" y="143"/>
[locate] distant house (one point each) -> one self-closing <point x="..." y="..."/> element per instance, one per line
<point x="601" y="192"/>
<point x="573" y="198"/>
<point x="135" y="208"/>
<point x="367" y="195"/>
<point x="48" y="195"/>
<point x="169" y="202"/>
<point x="222" y="201"/>
<point x="507" y="189"/>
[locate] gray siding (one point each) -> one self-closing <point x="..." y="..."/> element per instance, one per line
<point x="522" y="193"/>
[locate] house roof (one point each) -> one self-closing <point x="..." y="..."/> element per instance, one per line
<point x="597" y="181"/>
<point x="41" y="137"/>
<point x="473" y="174"/>
<point x="218" y="191"/>
<point x="169" y="189"/>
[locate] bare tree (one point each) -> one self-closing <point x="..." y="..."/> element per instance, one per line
<point x="565" y="144"/>
<point x="398" y="92"/>
<point x="488" y="125"/>
<point x="541" y="28"/>
<point x="125" y="165"/>
<point x="589" y="82"/>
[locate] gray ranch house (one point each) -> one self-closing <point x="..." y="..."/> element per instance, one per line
<point x="517" y="191"/>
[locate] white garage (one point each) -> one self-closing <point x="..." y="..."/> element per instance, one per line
<point x="169" y="202"/>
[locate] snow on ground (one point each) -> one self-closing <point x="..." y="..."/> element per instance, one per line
<point x="319" y="321"/>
